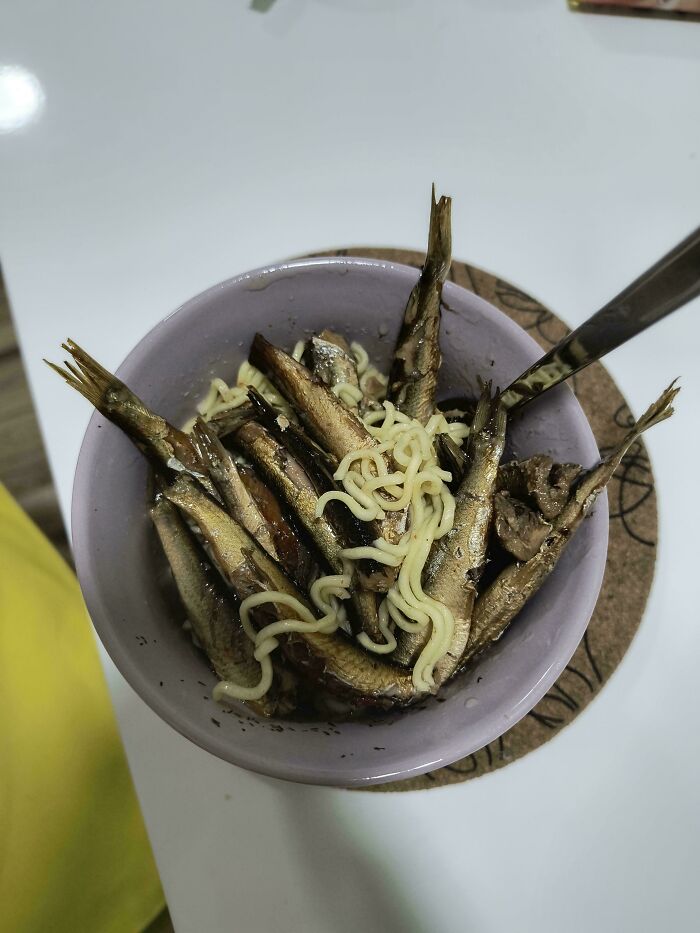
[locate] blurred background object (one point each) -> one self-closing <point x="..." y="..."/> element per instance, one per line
<point x="23" y="466"/>
<point x="102" y="875"/>
<point x="688" y="8"/>
<point x="74" y="854"/>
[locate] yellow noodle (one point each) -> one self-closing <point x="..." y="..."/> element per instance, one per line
<point x="366" y="465"/>
<point x="368" y="374"/>
<point x="384" y="628"/>
<point x="365" y="514"/>
<point x="327" y="625"/>
<point x="362" y="454"/>
<point x="457" y="431"/>
<point x="227" y="688"/>
<point x="221" y="397"/>
<point x="381" y="482"/>
<point x="367" y="552"/>
<point x="447" y="518"/>
<point x="418" y="618"/>
<point x="409" y="618"/>
<point x="361" y="357"/>
<point x="326" y="587"/>
<point x="349" y="394"/>
<point x="210" y="397"/>
<point x="372" y="417"/>
<point x="353" y="484"/>
<point x="410" y="589"/>
<point x="401" y="621"/>
<point x="400" y="548"/>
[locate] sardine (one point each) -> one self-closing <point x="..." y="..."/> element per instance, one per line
<point x="416" y="364"/>
<point x="331" y="423"/>
<point x="294" y="488"/>
<point x="223" y="472"/>
<point x="333" y="661"/>
<point x="519" y="529"/>
<point x="226" y="422"/>
<point x="318" y="468"/>
<point x="332" y="336"/>
<point x="500" y="603"/>
<point x="457" y="559"/>
<point x="538" y="479"/>
<point x="164" y="445"/>
<point x="275" y="463"/>
<point x="333" y="363"/>
<point x="452" y="457"/>
<point x="330" y="357"/>
<point x="315" y="460"/>
<point x="294" y="556"/>
<point x="210" y="609"/>
<point x="541" y="481"/>
<point x="352" y="673"/>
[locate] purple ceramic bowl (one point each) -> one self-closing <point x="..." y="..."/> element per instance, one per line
<point x="125" y="582"/>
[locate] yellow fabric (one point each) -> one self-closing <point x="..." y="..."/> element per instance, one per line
<point x="74" y="855"/>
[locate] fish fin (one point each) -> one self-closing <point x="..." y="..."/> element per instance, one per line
<point x="79" y="382"/>
<point x="210" y="448"/>
<point x="490" y="413"/>
<point x="483" y="408"/>
<point x="439" y="252"/>
<point x="261" y="405"/>
<point x="86" y="375"/>
<point x="89" y="365"/>
<point x="658" y="411"/>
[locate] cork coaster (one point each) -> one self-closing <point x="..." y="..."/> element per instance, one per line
<point x="631" y="550"/>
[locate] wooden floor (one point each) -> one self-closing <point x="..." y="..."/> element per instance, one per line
<point x="23" y="466"/>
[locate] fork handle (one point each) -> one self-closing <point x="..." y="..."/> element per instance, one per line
<point x="670" y="283"/>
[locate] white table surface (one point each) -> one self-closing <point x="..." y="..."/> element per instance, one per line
<point x="182" y="142"/>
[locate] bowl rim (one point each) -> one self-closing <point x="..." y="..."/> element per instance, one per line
<point x="167" y="710"/>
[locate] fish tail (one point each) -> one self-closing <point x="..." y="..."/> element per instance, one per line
<point x="657" y="412"/>
<point x="263" y="410"/>
<point x="208" y="444"/>
<point x="499" y="415"/>
<point x="483" y="409"/>
<point x="594" y="481"/>
<point x="85" y="374"/>
<point x="439" y="253"/>
<point x="490" y="413"/>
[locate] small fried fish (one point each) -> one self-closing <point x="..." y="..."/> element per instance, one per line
<point x="416" y="364"/>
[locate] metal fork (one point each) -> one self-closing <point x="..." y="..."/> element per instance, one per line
<point x="670" y="283"/>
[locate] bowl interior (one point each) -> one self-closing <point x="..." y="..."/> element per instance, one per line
<point x="123" y="574"/>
